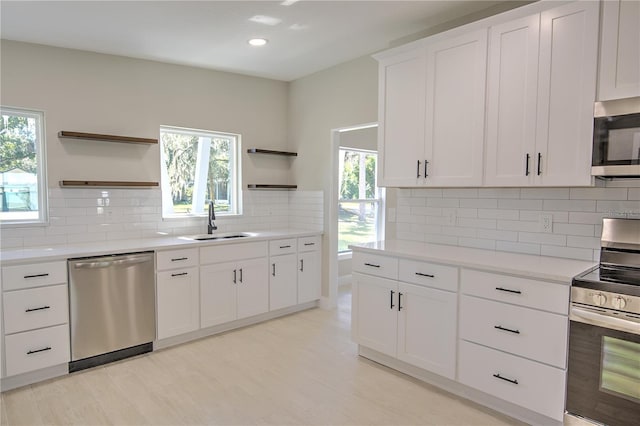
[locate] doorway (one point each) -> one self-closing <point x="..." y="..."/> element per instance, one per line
<point x="356" y="208"/>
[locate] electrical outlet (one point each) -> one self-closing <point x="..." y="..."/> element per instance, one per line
<point x="545" y="222"/>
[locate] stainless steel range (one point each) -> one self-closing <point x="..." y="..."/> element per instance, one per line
<point x="603" y="384"/>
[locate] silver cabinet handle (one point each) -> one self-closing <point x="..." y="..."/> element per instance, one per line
<point x="301" y="265"/>
<point x="499" y="327"/>
<point x="179" y="259"/>
<point x="273" y="270"/>
<point x="507" y="290"/>
<point x="35" y="351"/>
<point x="240" y="275"/>
<point x="284" y="247"/>
<point x="180" y="274"/>
<point x="418" y="170"/>
<point x="309" y="244"/>
<point x="372" y="265"/>
<point x="234" y="277"/>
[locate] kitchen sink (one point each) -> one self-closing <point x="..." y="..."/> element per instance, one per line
<point x="219" y="236"/>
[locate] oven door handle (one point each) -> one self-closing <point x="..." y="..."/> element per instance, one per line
<point x="592" y="318"/>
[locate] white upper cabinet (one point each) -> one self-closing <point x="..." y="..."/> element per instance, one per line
<point x="401" y="115"/>
<point x="454" y="134"/>
<point x="511" y="103"/>
<point x="619" y="50"/>
<point x="566" y="93"/>
<point x="529" y="77"/>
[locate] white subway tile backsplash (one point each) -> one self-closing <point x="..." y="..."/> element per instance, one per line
<point x="570" y="205"/>
<point x="82" y="215"/>
<point x="507" y="219"/>
<point x="544" y="193"/>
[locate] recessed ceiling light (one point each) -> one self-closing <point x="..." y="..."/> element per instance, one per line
<point x="258" y="41"/>
<point x="265" y="20"/>
<point x="298" y="27"/>
<point x="289" y="2"/>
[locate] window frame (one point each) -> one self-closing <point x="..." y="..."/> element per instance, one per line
<point x="379" y="201"/>
<point x="235" y="180"/>
<point x="41" y="168"/>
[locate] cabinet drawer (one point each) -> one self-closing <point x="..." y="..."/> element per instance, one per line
<point x="429" y="274"/>
<point x="233" y="252"/>
<point x="519" y="291"/>
<point x="277" y="247"/>
<point x="35" y="308"/>
<point x="309" y="243"/>
<point x="34" y="275"/>
<point x="529" y="384"/>
<point x="536" y="335"/>
<point x="373" y="264"/>
<point x="33" y="350"/>
<point x="171" y="259"/>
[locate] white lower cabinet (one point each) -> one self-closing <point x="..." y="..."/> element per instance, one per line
<point x="309" y="276"/>
<point x="177" y="292"/>
<point x="526" y="383"/>
<point x="233" y="290"/>
<point x="177" y="296"/>
<point x="503" y="335"/>
<point x="414" y="323"/>
<point x="283" y="281"/>
<point x="35" y="316"/>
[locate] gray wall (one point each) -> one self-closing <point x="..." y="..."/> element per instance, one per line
<point x="96" y="93"/>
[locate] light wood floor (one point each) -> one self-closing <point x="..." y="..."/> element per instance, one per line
<point x="302" y="369"/>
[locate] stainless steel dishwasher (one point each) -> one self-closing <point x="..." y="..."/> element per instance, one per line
<point x="112" y="308"/>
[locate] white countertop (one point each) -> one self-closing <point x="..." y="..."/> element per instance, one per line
<point x="63" y="252"/>
<point x="541" y="267"/>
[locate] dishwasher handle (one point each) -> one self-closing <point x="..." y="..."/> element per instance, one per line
<point x="116" y="262"/>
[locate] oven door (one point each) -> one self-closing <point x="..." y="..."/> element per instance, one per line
<point x="603" y="382"/>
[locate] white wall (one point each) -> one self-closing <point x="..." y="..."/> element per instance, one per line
<point x="341" y="96"/>
<point x="96" y="93"/>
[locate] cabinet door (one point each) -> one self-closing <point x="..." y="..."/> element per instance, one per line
<point x="566" y="93"/>
<point x="619" y="75"/>
<point x="374" y="312"/>
<point x="178" y="309"/>
<point x="511" y="102"/>
<point x="253" y="287"/>
<point x="309" y="276"/>
<point x="427" y="328"/>
<point x="283" y="281"/>
<point x="218" y="284"/>
<point x="401" y="117"/>
<point x="455" y="109"/>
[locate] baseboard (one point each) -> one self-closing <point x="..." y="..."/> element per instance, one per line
<point x="210" y="331"/>
<point x="17" y="381"/>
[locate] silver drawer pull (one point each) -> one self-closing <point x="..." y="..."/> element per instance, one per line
<point x="42" y="308"/>
<point x="498" y="376"/>
<point x="181" y="274"/>
<point x="35" y="276"/>
<point x="425" y="275"/>
<point x="283" y="247"/>
<point x="177" y="259"/>
<point x="508" y="290"/>
<point x="372" y="265"/>
<point x="48" y="348"/>
<point x="499" y="327"/>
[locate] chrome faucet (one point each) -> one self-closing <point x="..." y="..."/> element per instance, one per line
<point x="211" y="226"/>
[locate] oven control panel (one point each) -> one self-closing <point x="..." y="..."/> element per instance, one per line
<point x="606" y="300"/>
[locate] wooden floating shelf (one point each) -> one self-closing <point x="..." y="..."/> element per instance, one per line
<point x="106" y="184"/>
<point x="105" y="138"/>
<point x="265" y="186"/>
<point x="271" y="152"/>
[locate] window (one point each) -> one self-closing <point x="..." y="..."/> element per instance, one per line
<point x="360" y="200"/>
<point x="23" y="178"/>
<point x="198" y="166"/>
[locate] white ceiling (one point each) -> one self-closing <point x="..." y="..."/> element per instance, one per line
<point x="312" y="35"/>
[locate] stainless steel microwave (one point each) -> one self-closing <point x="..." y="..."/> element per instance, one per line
<point x="616" y="138"/>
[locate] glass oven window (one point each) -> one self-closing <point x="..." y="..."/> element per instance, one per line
<point x="620" y="371"/>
